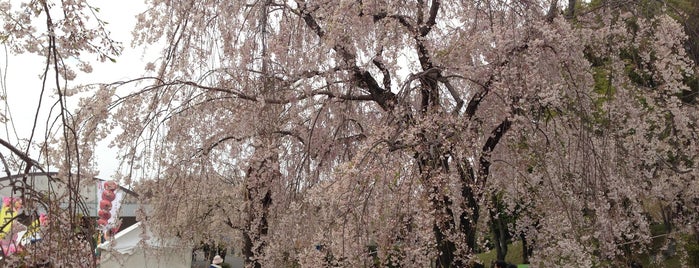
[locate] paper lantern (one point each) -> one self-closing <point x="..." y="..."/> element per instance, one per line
<point x="102" y="222"/>
<point x="110" y="185"/>
<point x="106" y="205"/>
<point x="43" y="219"/>
<point x="104" y="214"/>
<point x="108" y="195"/>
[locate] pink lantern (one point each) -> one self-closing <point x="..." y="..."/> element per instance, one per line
<point x="102" y="222"/>
<point x="110" y="185"/>
<point x="43" y="219"/>
<point x="106" y="205"/>
<point x="108" y="195"/>
<point x="104" y="214"/>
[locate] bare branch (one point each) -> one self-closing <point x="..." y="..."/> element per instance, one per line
<point x="30" y="162"/>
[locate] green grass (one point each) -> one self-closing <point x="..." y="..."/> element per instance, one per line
<point x="514" y="252"/>
<point x="514" y="255"/>
<point x="686" y="241"/>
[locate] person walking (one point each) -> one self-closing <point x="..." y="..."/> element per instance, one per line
<point x="216" y="262"/>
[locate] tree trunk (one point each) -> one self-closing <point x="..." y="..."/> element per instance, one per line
<point x="499" y="230"/>
<point x="444" y="226"/>
<point x="261" y="173"/>
<point x="430" y="165"/>
<point x="259" y="201"/>
<point x="445" y="229"/>
<point x="498" y="226"/>
<point x="570" y="14"/>
<point x="526" y="249"/>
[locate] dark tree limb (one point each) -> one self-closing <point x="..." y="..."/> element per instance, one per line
<point x="383" y="97"/>
<point x="490" y="144"/>
<point x="570" y="13"/>
<point x="431" y="20"/>
<point x="382" y="67"/>
<point x="475" y="101"/>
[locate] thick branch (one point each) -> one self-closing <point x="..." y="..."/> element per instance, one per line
<point x="454" y="94"/>
<point x="571" y="9"/>
<point x="490" y="144"/>
<point x="281" y="100"/>
<point x="386" y="75"/>
<point x="383" y="97"/>
<point x="424" y="29"/>
<point x="403" y="20"/>
<point x="473" y="104"/>
<point x="475" y="101"/>
<point x="431" y="20"/>
<point x="553" y="9"/>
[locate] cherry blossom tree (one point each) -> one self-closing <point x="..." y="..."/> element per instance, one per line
<point x="63" y="33"/>
<point x="373" y="133"/>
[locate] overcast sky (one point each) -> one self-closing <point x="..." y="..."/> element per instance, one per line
<point x="23" y="83"/>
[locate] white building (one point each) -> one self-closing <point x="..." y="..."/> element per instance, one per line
<point x="47" y="183"/>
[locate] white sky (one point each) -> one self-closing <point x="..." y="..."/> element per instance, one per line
<point x="23" y="83"/>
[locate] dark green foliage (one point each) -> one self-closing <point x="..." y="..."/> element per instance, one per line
<point x="635" y="68"/>
<point x="499" y="222"/>
<point x="692" y="248"/>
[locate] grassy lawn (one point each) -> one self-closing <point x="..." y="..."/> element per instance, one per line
<point x="514" y="255"/>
